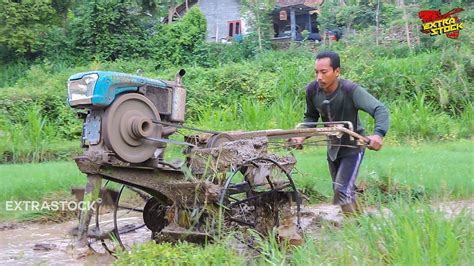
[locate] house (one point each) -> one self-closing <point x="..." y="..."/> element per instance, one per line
<point x="292" y="17"/>
<point x="225" y="21"/>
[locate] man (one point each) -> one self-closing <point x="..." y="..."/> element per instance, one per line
<point x="335" y="99"/>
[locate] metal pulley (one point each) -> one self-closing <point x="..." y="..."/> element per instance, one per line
<point x="128" y="125"/>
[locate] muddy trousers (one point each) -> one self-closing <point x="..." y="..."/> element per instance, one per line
<point x="344" y="172"/>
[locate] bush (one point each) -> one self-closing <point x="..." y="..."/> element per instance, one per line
<point x="177" y="43"/>
<point x="24" y="24"/>
<point x="108" y="30"/>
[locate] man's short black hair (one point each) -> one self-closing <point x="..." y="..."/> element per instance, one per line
<point x="333" y="56"/>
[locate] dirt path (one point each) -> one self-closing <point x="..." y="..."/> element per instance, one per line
<point x="53" y="244"/>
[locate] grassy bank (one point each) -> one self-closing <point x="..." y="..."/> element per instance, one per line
<point x="429" y="169"/>
<point x="25" y="182"/>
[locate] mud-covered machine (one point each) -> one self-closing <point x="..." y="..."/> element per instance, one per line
<point x="225" y="182"/>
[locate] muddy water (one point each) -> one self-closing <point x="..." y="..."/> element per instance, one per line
<point x="33" y="244"/>
<point x="44" y="244"/>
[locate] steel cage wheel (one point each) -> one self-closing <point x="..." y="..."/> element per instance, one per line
<point x="113" y="228"/>
<point x="258" y="198"/>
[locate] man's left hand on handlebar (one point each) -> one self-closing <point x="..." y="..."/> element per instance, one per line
<point x="375" y="143"/>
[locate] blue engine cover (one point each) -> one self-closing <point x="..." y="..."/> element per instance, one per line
<point x="111" y="84"/>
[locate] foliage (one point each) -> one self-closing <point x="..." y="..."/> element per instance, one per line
<point x="108" y="30"/>
<point x="273" y="85"/>
<point x="257" y="13"/>
<point x="10" y="73"/>
<point x="31" y="138"/>
<point x="267" y="89"/>
<point x="177" y="43"/>
<point x="183" y="253"/>
<point x="234" y="52"/>
<point x="356" y="16"/>
<point x="24" y="24"/>
<point x="336" y="17"/>
<point x="411" y="234"/>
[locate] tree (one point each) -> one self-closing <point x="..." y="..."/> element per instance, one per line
<point x="177" y="43"/>
<point x="256" y="13"/>
<point x="109" y="30"/>
<point x="23" y="24"/>
<point x="62" y="8"/>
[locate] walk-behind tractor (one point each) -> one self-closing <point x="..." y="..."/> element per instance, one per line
<point x="225" y="182"/>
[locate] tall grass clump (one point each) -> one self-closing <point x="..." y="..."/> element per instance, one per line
<point x="10" y="73"/>
<point x="247" y="114"/>
<point x="27" y="140"/>
<point x="407" y="234"/>
<point x="466" y="121"/>
<point x="419" y="119"/>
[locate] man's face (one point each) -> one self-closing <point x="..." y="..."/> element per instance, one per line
<point x="325" y="74"/>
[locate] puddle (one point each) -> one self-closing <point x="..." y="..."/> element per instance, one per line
<point x="54" y="244"/>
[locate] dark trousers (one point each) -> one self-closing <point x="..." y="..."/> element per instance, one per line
<point x="344" y="172"/>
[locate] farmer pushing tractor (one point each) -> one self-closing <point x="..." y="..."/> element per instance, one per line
<point x="226" y="180"/>
<point x="335" y="99"/>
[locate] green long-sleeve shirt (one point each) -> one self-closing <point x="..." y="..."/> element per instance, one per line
<point x="344" y="104"/>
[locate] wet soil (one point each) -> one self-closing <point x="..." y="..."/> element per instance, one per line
<point x="32" y="243"/>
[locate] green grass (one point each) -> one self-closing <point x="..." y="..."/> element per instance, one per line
<point x="439" y="169"/>
<point x="181" y="254"/>
<point x="414" y="234"/>
<point x="22" y="182"/>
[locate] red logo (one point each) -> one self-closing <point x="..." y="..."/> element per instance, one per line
<point x="434" y="23"/>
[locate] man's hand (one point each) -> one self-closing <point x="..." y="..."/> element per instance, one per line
<point x="296" y="143"/>
<point x="376" y="142"/>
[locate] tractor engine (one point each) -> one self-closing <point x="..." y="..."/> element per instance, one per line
<point x="125" y="122"/>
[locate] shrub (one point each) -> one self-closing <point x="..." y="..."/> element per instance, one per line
<point x="177" y="43"/>
<point x="108" y="30"/>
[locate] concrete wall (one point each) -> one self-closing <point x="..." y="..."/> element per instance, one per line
<point x="217" y="13"/>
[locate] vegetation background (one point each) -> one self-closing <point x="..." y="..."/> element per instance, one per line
<point x="427" y="83"/>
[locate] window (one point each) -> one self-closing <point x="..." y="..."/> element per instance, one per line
<point x="234" y="28"/>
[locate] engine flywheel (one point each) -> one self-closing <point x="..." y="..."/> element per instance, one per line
<point x="127" y="124"/>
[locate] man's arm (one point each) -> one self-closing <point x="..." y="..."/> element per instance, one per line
<point x="369" y="104"/>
